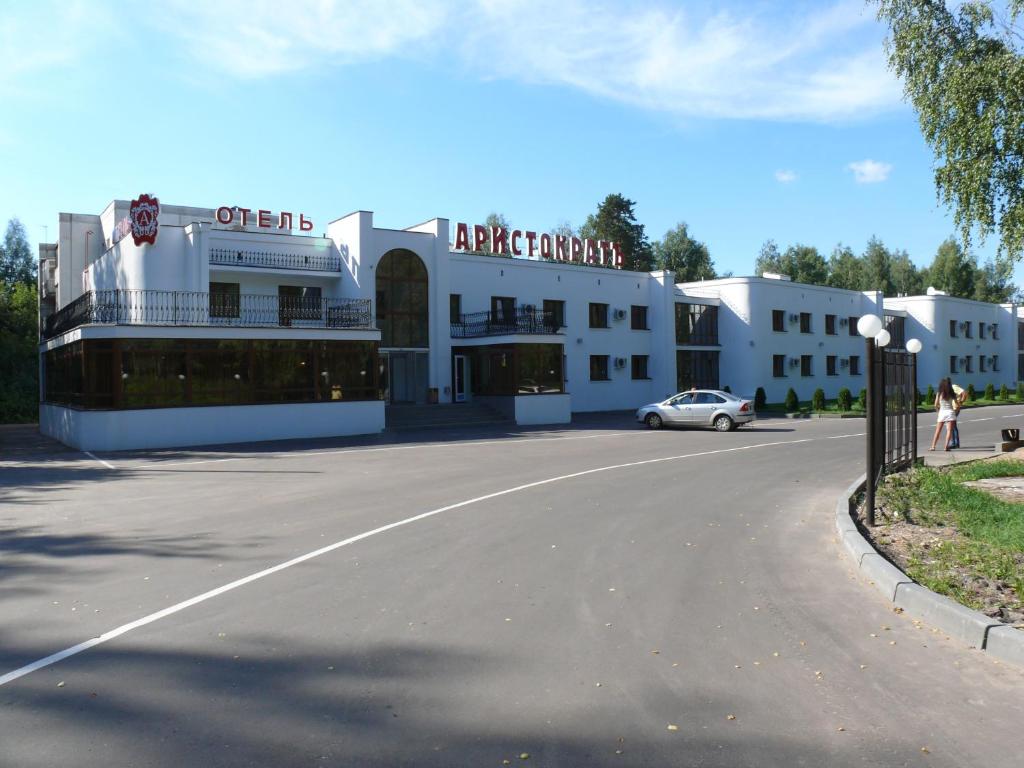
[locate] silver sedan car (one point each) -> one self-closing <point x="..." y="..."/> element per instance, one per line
<point x="699" y="408"/>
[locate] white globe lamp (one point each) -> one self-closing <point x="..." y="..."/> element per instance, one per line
<point x="882" y="338"/>
<point x="913" y="346"/>
<point x="869" y="326"/>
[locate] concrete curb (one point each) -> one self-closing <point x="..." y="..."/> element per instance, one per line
<point x="973" y="628"/>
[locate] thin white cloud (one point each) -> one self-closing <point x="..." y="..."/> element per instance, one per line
<point x="869" y="171"/>
<point x="785" y="176"/>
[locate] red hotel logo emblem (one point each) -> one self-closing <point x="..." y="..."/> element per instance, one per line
<point x="143" y="215"/>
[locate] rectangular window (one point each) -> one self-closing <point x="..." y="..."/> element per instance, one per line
<point x="299" y="302"/>
<point x="995" y="363"/>
<point x="830" y="365"/>
<point x="896" y="326"/>
<point x="696" y="368"/>
<point x="455" y="308"/>
<point x="969" y="364"/>
<point x="952" y="329"/>
<point x="982" y="360"/>
<point x="981" y="330"/>
<point x="779" y="320"/>
<point x="599" y="317"/>
<point x="638" y="318"/>
<point x="967" y="330"/>
<point x="854" y="365"/>
<point x="952" y="364"/>
<point x="830" y="325"/>
<point x="696" y="324"/>
<point x="599" y="367"/>
<point x="805" y="322"/>
<point x="852" y="325"/>
<point x="639" y="363"/>
<point x="806" y="365"/>
<point x="779" y="366"/>
<point x="555" y="311"/>
<point x="503" y="309"/>
<point x="224" y="300"/>
<point x="995" y="331"/>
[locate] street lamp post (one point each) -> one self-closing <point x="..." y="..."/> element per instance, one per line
<point x="913" y="347"/>
<point x="870" y="326"/>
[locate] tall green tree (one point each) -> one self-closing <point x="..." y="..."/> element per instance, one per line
<point x="16" y="262"/>
<point x="494" y="219"/>
<point x="877" y="268"/>
<point x="905" y="276"/>
<point x="845" y="270"/>
<point x="953" y="270"/>
<point x="768" y="259"/>
<point x="993" y="282"/>
<point x="616" y="220"/>
<point x="680" y="253"/>
<point x="962" y="66"/>
<point x="804" y="264"/>
<point x="19" y="361"/>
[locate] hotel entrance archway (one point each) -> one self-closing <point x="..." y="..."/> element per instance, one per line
<point x="403" y="316"/>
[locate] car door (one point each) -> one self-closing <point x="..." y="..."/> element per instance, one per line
<point x="677" y="410"/>
<point x="704" y="406"/>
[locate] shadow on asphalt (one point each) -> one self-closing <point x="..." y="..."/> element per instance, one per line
<point x="256" y="702"/>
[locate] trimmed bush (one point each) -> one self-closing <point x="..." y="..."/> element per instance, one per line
<point x="971" y="393"/>
<point x="990" y="392"/>
<point x="929" y="396"/>
<point x="1020" y="390"/>
<point x="726" y="389"/>
<point x="1004" y="392"/>
<point x="844" y="399"/>
<point x="760" y="398"/>
<point x="818" y="400"/>
<point x="792" y="401"/>
<point x="862" y="399"/>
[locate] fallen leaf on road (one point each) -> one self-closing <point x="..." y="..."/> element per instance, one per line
<point x="673" y="727"/>
<point x="60" y="684"/>
<point x="730" y="717"/>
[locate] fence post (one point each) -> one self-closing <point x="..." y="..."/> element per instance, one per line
<point x="913" y="412"/>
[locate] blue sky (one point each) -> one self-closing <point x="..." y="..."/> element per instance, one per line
<point x="748" y="121"/>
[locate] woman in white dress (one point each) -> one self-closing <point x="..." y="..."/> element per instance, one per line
<point x="944" y="400"/>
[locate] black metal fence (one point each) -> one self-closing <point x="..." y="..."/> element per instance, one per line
<point x="246" y="258"/>
<point x="195" y="308"/>
<point x="523" y="321"/>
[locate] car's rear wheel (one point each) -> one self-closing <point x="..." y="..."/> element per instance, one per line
<point x="723" y="423"/>
<point x="653" y="421"/>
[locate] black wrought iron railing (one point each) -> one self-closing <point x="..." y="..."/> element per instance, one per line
<point x="304" y="261"/>
<point x="127" y="307"/>
<point x="523" y="321"/>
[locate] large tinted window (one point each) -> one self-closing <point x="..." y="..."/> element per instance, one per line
<point x="402" y="303"/>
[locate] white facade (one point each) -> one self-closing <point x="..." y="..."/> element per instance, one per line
<point x="741" y="333"/>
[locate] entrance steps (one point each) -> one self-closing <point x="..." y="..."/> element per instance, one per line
<point x="409" y="417"/>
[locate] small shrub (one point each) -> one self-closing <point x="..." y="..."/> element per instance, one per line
<point x="862" y="399"/>
<point x="929" y="395"/>
<point x="760" y="398"/>
<point x="818" y="400"/>
<point x="1020" y="390"/>
<point x="844" y="399"/>
<point x="990" y="392"/>
<point x="971" y="393"/>
<point x="1004" y="393"/>
<point x="792" y="401"/>
<point x="726" y="389"/>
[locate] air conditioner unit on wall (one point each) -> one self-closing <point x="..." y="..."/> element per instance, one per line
<point x="793" y="317"/>
<point x="843" y="321"/>
<point x="844" y="362"/>
<point x="619" y="314"/>
<point x="620" y="362"/>
<point x="794" y="362"/>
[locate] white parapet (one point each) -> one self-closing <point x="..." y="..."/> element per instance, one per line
<point x="211" y="425"/>
<point x="543" y="409"/>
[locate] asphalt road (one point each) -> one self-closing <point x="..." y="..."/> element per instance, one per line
<point x="595" y="595"/>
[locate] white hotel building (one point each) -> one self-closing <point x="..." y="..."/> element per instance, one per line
<point x="216" y="332"/>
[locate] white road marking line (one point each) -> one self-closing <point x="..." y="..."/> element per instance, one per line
<point x="125" y="628"/>
<point x="420" y="446"/>
<point x="94" y="457"/>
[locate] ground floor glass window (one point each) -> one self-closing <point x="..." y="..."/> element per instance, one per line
<point x="696" y="369"/>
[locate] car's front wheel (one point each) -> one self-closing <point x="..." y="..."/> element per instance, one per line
<point x="723" y="423"/>
<point x="653" y="421"/>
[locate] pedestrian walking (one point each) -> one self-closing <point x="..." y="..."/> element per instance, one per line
<point x="944" y="400"/>
<point x="959" y="398"/>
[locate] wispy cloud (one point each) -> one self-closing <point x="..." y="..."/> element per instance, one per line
<point x="785" y="177"/>
<point x="869" y="171"/>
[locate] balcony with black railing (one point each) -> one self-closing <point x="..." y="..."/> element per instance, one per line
<point x="524" y="321"/>
<point x="195" y="308"/>
<point x="240" y="257"/>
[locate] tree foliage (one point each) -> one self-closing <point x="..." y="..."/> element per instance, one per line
<point x="615" y="220"/>
<point x="19" y="372"/>
<point x="688" y="258"/>
<point x="16" y="262"/>
<point x="962" y="67"/>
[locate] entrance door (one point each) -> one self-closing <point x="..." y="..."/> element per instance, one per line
<point x="399" y="378"/>
<point x="460" y="378"/>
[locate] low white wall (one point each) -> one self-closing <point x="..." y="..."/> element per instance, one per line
<point x="543" y="409"/>
<point x="180" y="427"/>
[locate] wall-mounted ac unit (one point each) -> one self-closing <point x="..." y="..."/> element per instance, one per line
<point x="620" y="362"/>
<point x="794" y="362"/>
<point x="619" y="314"/>
<point x="793" y="317"/>
<point x="843" y="321"/>
<point x="844" y="362"/>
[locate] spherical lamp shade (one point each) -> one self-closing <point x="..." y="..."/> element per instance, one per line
<point x="913" y="346"/>
<point x="883" y="338"/>
<point x="869" y="326"/>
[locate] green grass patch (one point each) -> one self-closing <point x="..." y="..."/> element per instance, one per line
<point x="989" y="539"/>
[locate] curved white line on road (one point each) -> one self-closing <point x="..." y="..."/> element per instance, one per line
<point x="125" y="628"/>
